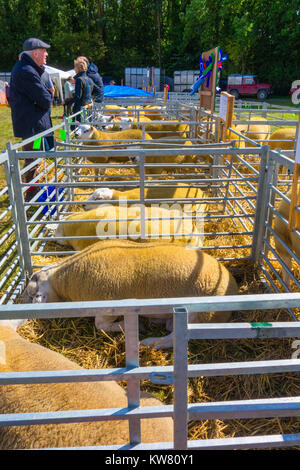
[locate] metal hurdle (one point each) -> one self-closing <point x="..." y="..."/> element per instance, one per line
<point x="178" y="374"/>
<point x="246" y="194"/>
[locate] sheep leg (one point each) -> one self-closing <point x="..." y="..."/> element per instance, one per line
<point x="107" y="323"/>
<point x="164" y="342"/>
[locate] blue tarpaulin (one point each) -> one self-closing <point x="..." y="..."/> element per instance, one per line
<point x="115" y="91"/>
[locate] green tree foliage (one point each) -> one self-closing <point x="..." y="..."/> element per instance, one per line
<point x="260" y="36"/>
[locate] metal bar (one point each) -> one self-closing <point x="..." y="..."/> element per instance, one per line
<point x="20" y="213"/>
<point x="145" y="373"/>
<point x="263" y="408"/>
<point x="133" y="385"/>
<point x="234" y="443"/>
<point x="145" y="306"/>
<point x="263" y="196"/>
<point x="180" y="338"/>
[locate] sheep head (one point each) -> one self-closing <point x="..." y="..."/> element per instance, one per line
<point x="98" y="195"/>
<point x="84" y="132"/>
<point x="39" y="289"/>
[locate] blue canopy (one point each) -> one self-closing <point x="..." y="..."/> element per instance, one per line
<point x="115" y="91"/>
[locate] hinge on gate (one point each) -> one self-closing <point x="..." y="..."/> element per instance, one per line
<point x="161" y="378"/>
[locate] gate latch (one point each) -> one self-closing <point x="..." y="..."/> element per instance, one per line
<point x="161" y="378"/>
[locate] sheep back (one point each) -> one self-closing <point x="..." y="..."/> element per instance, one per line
<point x="286" y="137"/>
<point x="114" y="270"/>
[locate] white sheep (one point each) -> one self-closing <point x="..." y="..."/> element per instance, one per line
<point x="19" y="355"/>
<point x="120" y="269"/>
<point x="171" y="222"/>
<point x="120" y="123"/>
<point x="289" y="237"/>
<point x="179" y="191"/>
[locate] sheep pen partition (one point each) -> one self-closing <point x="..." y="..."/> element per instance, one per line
<point x="242" y="191"/>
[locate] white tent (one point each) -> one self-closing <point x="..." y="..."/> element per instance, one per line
<point x="59" y="75"/>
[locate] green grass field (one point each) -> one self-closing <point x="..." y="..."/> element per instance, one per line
<point x="6" y="129"/>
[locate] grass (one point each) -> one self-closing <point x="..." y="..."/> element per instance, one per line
<point x="7" y="133"/>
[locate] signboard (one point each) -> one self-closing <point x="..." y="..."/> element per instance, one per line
<point x="223" y="106"/>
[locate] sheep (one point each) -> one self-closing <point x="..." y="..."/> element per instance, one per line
<point x="172" y="221"/>
<point x="155" y="113"/>
<point x="103" y="122"/>
<point x="153" y="192"/>
<point x="87" y="132"/>
<point x="283" y="138"/>
<point x="157" y="131"/>
<point x="169" y="159"/>
<point x="115" y="110"/>
<point x="290" y="238"/>
<point x="256" y="132"/>
<point x="22" y="356"/>
<point x="122" y="269"/>
<point x="120" y="123"/>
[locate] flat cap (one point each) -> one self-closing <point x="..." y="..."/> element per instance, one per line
<point x="34" y="43"/>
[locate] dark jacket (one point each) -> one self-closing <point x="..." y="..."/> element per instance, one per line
<point x="92" y="72"/>
<point x="83" y="91"/>
<point x="29" y="99"/>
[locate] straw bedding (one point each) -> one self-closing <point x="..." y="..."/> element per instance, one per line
<point x="78" y="340"/>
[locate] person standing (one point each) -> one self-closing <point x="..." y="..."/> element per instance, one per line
<point x="30" y="100"/>
<point x="93" y="73"/>
<point x="83" y="86"/>
<point x="69" y="90"/>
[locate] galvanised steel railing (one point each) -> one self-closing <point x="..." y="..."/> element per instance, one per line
<point x="178" y="374"/>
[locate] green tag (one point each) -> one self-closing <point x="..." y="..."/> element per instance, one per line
<point x="62" y="134"/>
<point x="70" y="120"/>
<point x="260" y="325"/>
<point x="37" y="143"/>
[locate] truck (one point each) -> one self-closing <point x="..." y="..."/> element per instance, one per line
<point x="184" y="79"/>
<point x="247" y="85"/>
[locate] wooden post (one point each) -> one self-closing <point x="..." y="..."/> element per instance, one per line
<point x="165" y="92"/>
<point x="294" y="217"/>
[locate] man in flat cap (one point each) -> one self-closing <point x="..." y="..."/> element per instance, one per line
<point x="30" y="99"/>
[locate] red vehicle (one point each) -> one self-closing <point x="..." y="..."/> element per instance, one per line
<point x="247" y="85"/>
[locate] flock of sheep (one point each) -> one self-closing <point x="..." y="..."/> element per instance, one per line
<point x="117" y="269"/>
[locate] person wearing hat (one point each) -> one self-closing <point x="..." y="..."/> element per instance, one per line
<point x="30" y="99"/>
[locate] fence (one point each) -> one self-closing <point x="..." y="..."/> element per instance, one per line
<point x="242" y="189"/>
